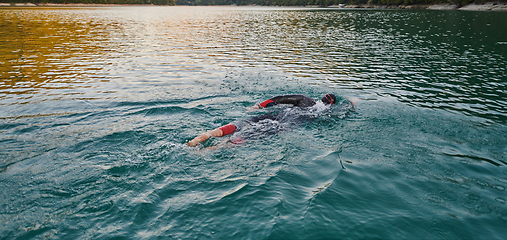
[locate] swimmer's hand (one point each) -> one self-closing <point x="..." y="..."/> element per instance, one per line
<point x="354" y="101"/>
<point x="253" y="108"/>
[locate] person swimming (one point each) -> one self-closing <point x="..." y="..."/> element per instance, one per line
<point x="302" y="111"/>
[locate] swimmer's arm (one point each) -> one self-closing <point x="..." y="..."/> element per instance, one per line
<point x="217" y="132"/>
<point x="294" y="100"/>
<point x="268" y="103"/>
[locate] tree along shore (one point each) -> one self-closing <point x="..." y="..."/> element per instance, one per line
<point x="474" y="5"/>
<point x="83" y="2"/>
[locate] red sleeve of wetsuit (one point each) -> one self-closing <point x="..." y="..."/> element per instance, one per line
<point x="227" y="129"/>
<point x="267" y="103"/>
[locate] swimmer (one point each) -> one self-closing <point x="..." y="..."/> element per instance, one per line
<point x="297" y="100"/>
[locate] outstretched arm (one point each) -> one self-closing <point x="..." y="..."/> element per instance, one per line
<point x="217" y="132"/>
<point x="295" y="100"/>
<point x="267" y="103"/>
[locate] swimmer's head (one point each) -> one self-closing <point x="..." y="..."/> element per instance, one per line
<point x="329" y="99"/>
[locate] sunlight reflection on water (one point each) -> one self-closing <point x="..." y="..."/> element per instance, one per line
<point x="76" y="48"/>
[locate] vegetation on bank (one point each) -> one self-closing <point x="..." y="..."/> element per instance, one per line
<point x="321" y="2"/>
<point x="155" y="2"/>
<point x="253" y="2"/>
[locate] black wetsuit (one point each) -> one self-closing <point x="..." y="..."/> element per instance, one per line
<point x="272" y="123"/>
<point x="296" y="100"/>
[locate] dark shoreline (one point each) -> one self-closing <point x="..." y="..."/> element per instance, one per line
<point x="489" y="6"/>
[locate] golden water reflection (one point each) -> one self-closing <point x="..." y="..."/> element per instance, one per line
<point x="47" y="48"/>
<point x="428" y="59"/>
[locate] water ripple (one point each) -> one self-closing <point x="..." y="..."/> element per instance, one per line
<point x="97" y="103"/>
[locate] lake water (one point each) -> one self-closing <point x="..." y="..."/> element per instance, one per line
<point x="97" y="103"/>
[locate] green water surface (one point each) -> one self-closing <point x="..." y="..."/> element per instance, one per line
<point x="97" y="103"/>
